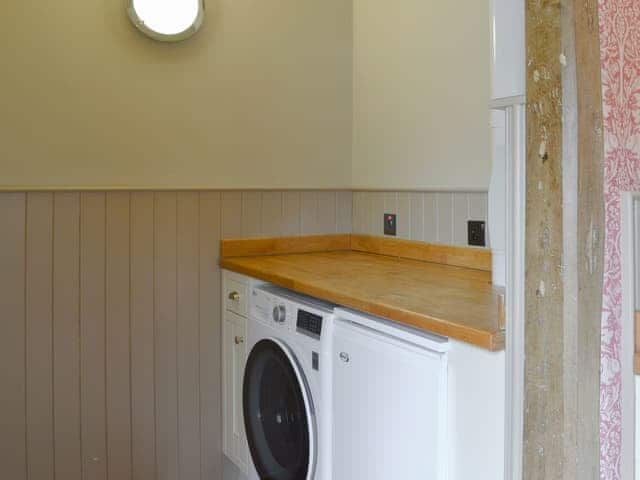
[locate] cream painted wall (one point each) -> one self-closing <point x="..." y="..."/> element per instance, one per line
<point x="260" y="97"/>
<point x="421" y="91"/>
<point x="265" y="96"/>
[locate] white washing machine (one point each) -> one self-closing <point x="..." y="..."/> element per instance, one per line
<point x="287" y="385"/>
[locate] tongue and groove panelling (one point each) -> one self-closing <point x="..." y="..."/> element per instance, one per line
<point x="435" y="217"/>
<point x="110" y="325"/>
<point x="110" y="305"/>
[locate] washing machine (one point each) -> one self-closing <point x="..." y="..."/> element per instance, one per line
<point x="287" y="385"/>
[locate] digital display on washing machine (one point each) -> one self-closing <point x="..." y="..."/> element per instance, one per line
<point x="309" y="323"/>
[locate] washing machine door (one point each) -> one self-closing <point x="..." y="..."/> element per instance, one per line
<point x="278" y="414"/>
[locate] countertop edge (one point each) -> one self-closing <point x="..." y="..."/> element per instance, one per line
<point x="491" y="341"/>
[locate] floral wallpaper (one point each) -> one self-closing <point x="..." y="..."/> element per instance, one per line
<point x="620" y="61"/>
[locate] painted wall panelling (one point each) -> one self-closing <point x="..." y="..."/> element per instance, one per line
<point x="66" y="336"/>
<point x="291" y="213"/>
<point x="232" y="214"/>
<point x="210" y="336"/>
<point x="446" y="217"/>
<point x="439" y="217"/>
<point x="118" y="335"/>
<point x="188" y="336"/>
<point x="112" y="324"/>
<point x="13" y="434"/>
<point x="142" y="307"/>
<point x="166" y="326"/>
<point x="92" y="335"/>
<point x="272" y="214"/>
<point x="39" y="335"/>
<point x="251" y="214"/>
<point x="110" y="333"/>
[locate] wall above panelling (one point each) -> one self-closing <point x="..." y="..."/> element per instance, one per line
<point x="260" y="98"/>
<point x="421" y="95"/>
<point x="285" y="95"/>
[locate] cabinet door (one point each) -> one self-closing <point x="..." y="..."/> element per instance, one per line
<point x="227" y="387"/>
<point x="234" y="353"/>
<point x="239" y="361"/>
<point x="388" y="408"/>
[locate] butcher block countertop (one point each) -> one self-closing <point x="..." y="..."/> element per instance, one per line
<point x="441" y="289"/>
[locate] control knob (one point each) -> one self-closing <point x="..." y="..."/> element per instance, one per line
<point x="279" y="314"/>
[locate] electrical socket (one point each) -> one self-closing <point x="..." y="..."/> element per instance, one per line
<point x="390" y="224"/>
<point x="476" y="233"/>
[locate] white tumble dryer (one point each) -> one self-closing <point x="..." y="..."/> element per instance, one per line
<point x="287" y="385"/>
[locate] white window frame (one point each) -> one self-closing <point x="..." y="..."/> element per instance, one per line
<point x="629" y="202"/>
<point x="516" y="178"/>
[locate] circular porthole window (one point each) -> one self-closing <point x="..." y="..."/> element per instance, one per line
<point x="167" y="20"/>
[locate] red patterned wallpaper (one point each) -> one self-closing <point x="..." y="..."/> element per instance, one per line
<point x="620" y="57"/>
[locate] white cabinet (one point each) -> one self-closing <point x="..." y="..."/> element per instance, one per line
<point x="637" y="436"/>
<point x="234" y="330"/>
<point x="476" y="413"/>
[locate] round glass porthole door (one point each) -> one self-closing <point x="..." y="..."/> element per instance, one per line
<point x="278" y="414"/>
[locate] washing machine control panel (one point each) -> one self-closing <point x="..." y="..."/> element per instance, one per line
<point x="271" y="309"/>
<point x="288" y="310"/>
<point x="309" y="323"/>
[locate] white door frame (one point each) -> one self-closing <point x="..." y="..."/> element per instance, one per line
<point x="629" y="202"/>
<point x="514" y="108"/>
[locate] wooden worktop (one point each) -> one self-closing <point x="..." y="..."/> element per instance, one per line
<point x="453" y="301"/>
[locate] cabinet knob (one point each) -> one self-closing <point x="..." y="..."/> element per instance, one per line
<point x="235" y="296"/>
<point x="239" y="340"/>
